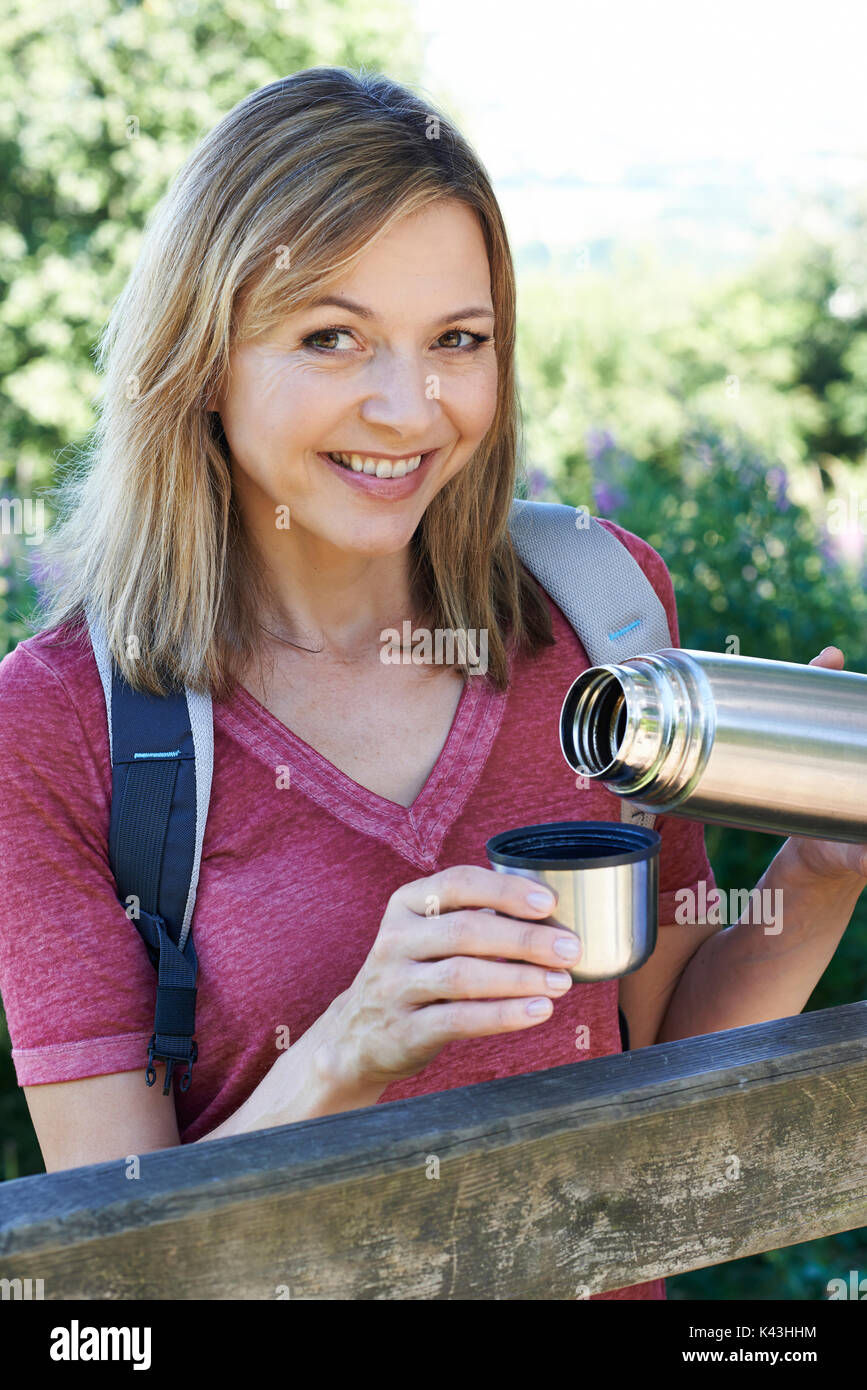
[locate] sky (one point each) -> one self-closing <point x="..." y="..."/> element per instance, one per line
<point x="755" y="98"/>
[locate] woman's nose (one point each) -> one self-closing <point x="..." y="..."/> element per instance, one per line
<point x="403" y="392"/>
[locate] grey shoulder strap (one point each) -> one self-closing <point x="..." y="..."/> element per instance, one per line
<point x="605" y="594"/>
<point x="593" y="579"/>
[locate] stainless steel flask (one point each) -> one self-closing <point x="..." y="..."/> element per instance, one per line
<point x="736" y="740"/>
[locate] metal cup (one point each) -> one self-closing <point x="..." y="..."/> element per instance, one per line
<point x="606" y="875"/>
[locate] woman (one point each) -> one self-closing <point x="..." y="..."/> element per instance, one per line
<point x="308" y="437"/>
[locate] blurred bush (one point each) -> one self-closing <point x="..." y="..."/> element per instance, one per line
<point x="776" y="352"/>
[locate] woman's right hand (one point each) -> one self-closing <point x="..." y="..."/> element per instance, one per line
<point x="433" y="975"/>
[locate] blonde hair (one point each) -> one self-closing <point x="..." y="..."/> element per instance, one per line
<point x="148" y="534"/>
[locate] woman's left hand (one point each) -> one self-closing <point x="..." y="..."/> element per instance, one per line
<point x="829" y="859"/>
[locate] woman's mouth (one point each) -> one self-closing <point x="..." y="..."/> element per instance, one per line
<point x="393" y="479"/>
<point x="377" y="466"/>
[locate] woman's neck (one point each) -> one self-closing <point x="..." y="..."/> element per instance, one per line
<point x="326" y="600"/>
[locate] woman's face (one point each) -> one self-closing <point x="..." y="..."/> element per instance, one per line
<point x="410" y="368"/>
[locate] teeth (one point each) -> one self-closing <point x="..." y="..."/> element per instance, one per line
<point x="383" y="468"/>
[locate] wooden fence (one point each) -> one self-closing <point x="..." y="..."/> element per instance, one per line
<point x="553" y="1185"/>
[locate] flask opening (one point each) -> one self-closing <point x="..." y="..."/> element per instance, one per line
<point x="600" y="723"/>
<point x="593" y="722"/>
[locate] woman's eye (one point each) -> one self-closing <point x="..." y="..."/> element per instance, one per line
<point x="310" y="340"/>
<point x="476" y="338"/>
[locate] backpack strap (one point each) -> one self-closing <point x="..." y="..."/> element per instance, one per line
<point x="161" y="766"/>
<point x="593" y="579"/>
<point x="599" y="587"/>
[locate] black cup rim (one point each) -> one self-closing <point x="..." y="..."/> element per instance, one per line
<point x="646" y="842"/>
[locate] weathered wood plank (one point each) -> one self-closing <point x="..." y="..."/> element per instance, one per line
<point x="598" y="1174"/>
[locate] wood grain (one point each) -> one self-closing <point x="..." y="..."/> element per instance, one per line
<point x="590" y="1177"/>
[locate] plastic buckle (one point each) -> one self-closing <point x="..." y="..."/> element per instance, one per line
<point x="188" y="1074"/>
<point x="151" y="1072"/>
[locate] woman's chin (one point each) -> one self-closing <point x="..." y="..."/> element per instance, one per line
<point x="371" y="537"/>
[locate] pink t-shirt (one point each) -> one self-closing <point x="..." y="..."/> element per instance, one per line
<point x="294" y="880"/>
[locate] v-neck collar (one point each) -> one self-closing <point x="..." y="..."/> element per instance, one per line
<point x="417" y="831"/>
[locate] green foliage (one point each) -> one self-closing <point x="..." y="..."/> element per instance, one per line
<point x="747" y="560"/>
<point x="776" y="353"/>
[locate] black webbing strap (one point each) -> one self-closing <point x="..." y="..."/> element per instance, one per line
<point x="151" y="847"/>
<point x="143" y="820"/>
<point x="175" y="1018"/>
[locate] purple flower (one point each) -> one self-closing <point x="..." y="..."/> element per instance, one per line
<point x="537" y="482"/>
<point x="607" y="499"/>
<point x="778" y="482"/>
<point x="598" y="443"/>
<point x="40" y="573"/>
<point x="829" y="551"/>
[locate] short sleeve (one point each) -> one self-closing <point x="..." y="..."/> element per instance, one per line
<point x="683" y="861"/>
<point x="75" y="978"/>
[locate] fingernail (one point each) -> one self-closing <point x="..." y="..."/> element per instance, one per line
<point x="540" y="899"/>
<point x="569" y="947"/>
<point x="539" y="1006"/>
<point x="558" y="979"/>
